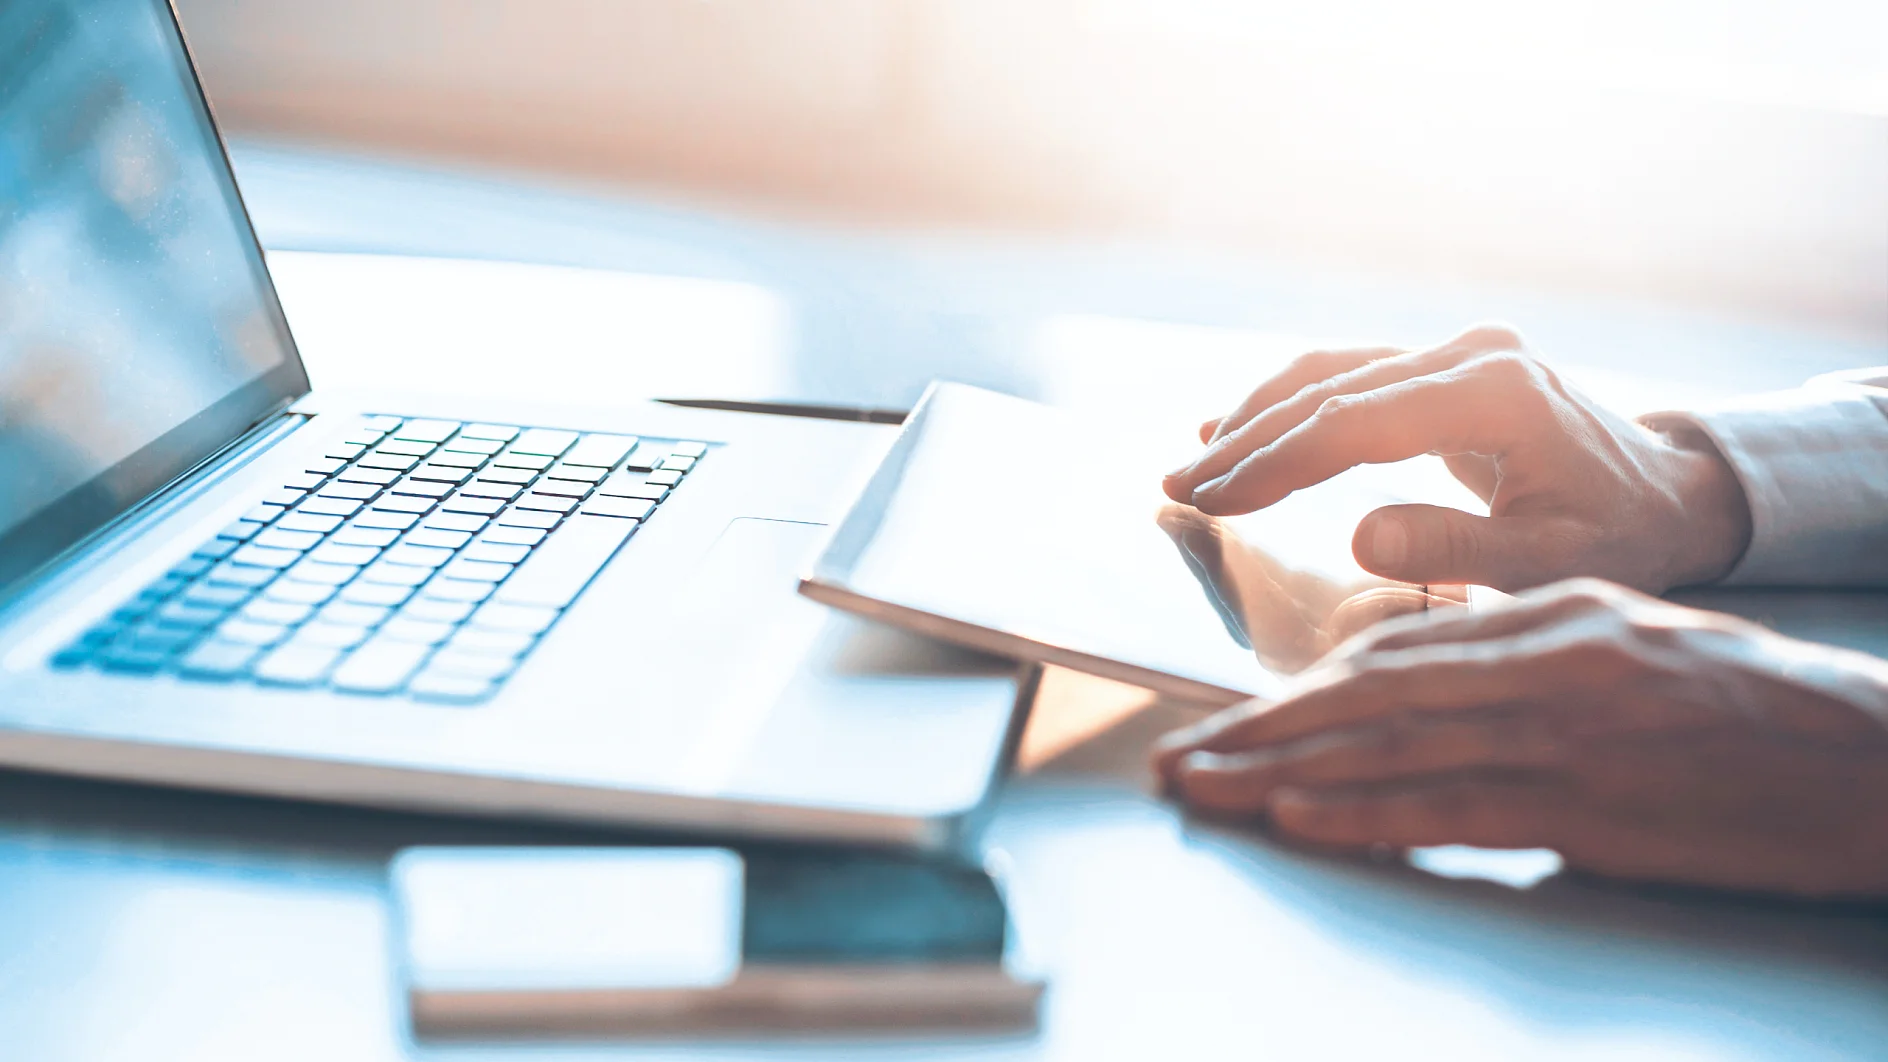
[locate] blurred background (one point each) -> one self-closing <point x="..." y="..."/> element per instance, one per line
<point x="1710" y="172"/>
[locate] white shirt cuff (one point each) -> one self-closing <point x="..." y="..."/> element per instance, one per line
<point x="1814" y="466"/>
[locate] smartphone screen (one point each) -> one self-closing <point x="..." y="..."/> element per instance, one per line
<point x="531" y="919"/>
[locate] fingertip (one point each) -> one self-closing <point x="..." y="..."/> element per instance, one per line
<point x="1197" y="779"/>
<point x="1382" y="544"/>
<point x="1171" y="748"/>
<point x="1200" y="761"/>
<point x="1207" y="496"/>
<point x="1210" y="429"/>
<point x="1176" y="487"/>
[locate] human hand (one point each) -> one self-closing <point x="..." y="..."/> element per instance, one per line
<point x="1640" y="739"/>
<point x="1572" y="489"/>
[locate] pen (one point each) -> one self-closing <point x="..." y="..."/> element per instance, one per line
<point x="865" y="414"/>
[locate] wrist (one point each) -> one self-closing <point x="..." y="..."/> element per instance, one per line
<point x="1715" y="512"/>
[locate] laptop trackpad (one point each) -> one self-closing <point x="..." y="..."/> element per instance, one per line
<point x="740" y="631"/>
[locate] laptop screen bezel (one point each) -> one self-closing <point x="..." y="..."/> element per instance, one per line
<point x="31" y="545"/>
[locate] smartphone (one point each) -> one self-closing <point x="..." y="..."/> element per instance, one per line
<point x="660" y="941"/>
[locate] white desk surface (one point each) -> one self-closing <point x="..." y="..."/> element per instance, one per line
<point x="137" y="924"/>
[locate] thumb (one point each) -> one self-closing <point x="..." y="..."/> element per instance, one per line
<point x="1436" y="544"/>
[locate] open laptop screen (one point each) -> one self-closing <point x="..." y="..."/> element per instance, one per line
<point x="139" y="332"/>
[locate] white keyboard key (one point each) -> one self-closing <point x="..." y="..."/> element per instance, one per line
<point x="384" y="519"/>
<point x="521" y="619"/>
<point x="432" y="610"/>
<point x="432" y="431"/>
<point x="278" y="538"/>
<point x="281" y="613"/>
<point x="418" y="556"/>
<point x="354" y="614"/>
<point x="300" y="521"/>
<point x="476" y="571"/>
<point x="558" y="570"/>
<point x="296" y="664"/>
<point x="549" y="503"/>
<point x="496" y="553"/>
<point x="331" y="635"/>
<point x="377" y="537"/>
<point x="456" y="590"/>
<point x="249" y="632"/>
<point x="501" y="432"/>
<point x="300" y="593"/>
<point x="265" y="557"/>
<point x="492" y="643"/>
<point x="632" y="485"/>
<point x="353" y="556"/>
<point x="575" y="473"/>
<point x="516" y="536"/>
<point x="543" y="442"/>
<point x="421" y="632"/>
<point x="310" y="571"/>
<point x="380" y="666"/>
<point x="396" y="574"/>
<point x="647" y="457"/>
<point x="438" y="538"/>
<point x="456" y="521"/>
<point x="619" y="508"/>
<point x="388" y="594"/>
<point x="451" y="689"/>
<point x="530" y="518"/>
<point x="450" y="662"/>
<point x="604" y="451"/>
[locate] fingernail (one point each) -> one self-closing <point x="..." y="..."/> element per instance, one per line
<point x="1211" y="486"/>
<point x="1199" y="761"/>
<point x="1175" y="739"/>
<point x="1389" y="543"/>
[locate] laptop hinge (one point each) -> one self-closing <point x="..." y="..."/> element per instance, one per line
<point x="239" y="452"/>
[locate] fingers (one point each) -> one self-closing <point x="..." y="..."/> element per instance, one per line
<point x="1172" y="747"/>
<point x="1526" y="612"/>
<point x="1540" y="645"/>
<point x="1477" y="407"/>
<point x="1394" y="751"/>
<point x="1483" y="812"/>
<point x="1372" y="687"/>
<point x="1305" y="370"/>
<point x="1436" y="544"/>
<point x="1230" y="446"/>
<point x="1295" y="394"/>
<point x="1323" y="365"/>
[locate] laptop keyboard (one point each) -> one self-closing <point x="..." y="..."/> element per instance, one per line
<point x="417" y="557"/>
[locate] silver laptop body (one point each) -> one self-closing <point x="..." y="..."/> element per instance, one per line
<point x="211" y="577"/>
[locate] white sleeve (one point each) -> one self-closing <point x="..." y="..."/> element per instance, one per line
<point x="1814" y="465"/>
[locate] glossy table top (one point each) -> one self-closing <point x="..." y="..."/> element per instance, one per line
<point x="145" y="924"/>
<point x="139" y="924"/>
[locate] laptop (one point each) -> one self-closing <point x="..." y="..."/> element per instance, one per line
<point x="212" y="577"/>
